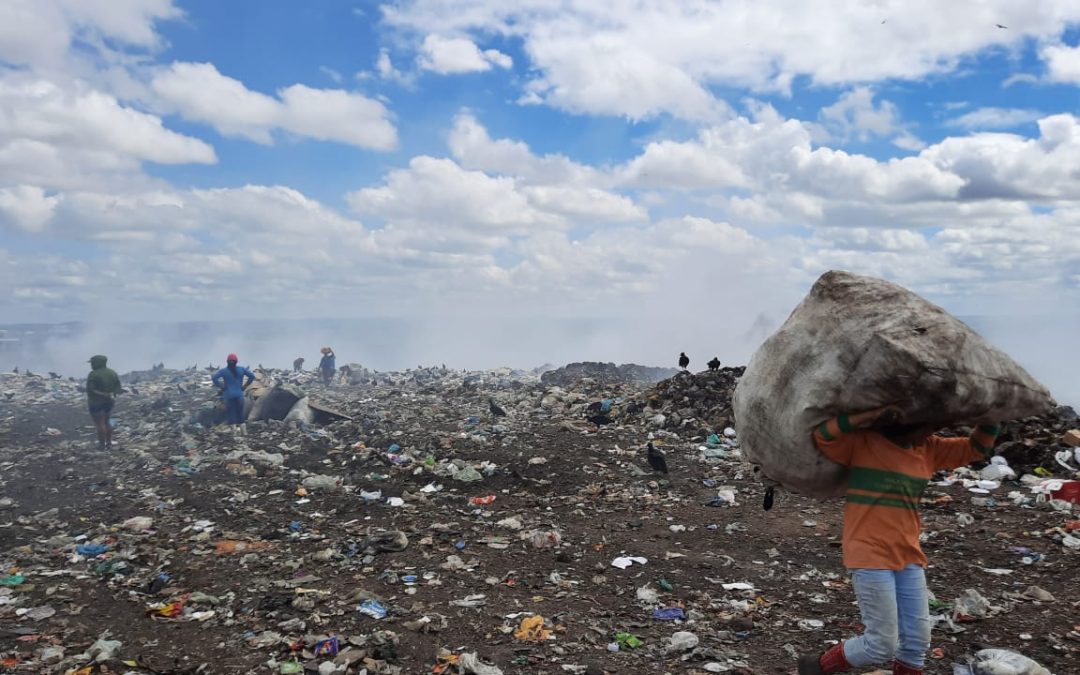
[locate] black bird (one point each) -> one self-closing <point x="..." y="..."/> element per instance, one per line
<point x="768" y="502"/>
<point x="55" y="376"/>
<point x="656" y="458"/>
<point x="600" y="420"/>
<point x="714" y="364"/>
<point x="495" y="409"/>
<point x="1002" y="27"/>
<point x="684" y="360"/>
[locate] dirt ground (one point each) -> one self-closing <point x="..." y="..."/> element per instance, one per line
<point x="594" y="489"/>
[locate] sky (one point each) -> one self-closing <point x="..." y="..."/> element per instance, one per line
<point x="682" y="168"/>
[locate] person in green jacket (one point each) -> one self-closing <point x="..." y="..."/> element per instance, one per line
<point x="102" y="386"/>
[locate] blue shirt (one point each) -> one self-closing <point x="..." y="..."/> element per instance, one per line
<point x="327" y="362"/>
<point x="233" y="384"/>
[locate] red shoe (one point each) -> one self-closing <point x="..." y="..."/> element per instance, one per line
<point x="832" y="661"/>
<point x="900" y="668"/>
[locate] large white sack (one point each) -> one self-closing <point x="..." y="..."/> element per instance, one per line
<point x="857" y="343"/>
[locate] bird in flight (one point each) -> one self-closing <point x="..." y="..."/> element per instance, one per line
<point x="656" y="458"/>
<point x="1001" y="26"/>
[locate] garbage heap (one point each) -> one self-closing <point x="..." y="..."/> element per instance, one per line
<point x="699" y="401"/>
<point x="604" y="373"/>
<point x="424" y="532"/>
<point x="1042" y="441"/>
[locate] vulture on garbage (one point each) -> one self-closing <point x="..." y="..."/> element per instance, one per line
<point x="496" y="411"/>
<point x="684" y="360"/>
<point x="656" y="458"/>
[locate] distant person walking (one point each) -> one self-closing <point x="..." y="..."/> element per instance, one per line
<point x="327" y="365"/>
<point x="231" y="381"/>
<point x="102" y="386"/>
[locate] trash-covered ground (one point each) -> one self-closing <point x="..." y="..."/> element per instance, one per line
<point x="418" y="531"/>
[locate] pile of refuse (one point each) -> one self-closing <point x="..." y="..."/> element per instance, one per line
<point x="604" y="374"/>
<point x="478" y="522"/>
<point x="704" y="398"/>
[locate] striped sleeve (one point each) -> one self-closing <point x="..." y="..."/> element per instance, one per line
<point x="833" y="438"/>
<point x="984" y="437"/>
<point x="950" y="453"/>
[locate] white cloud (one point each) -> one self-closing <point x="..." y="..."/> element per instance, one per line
<point x="1062" y="63"/>
<point x="438" y="191"/>
<point x="908" y="141"/>
<point x="39" y="32"/>
<point x="995" y="118"/>
<point x="199" y="92"/>
<point x="642" y="58"/>
<point x="454" y="55"/>
<point x="776" y="155"/>
<point x="854" y="115"/>
<point x="80" y="137"/>
<point x="89" y="119"/>
<point x="1009" y="166"/>
<point x="475" y="149"/>
<point x="27" y="207"/>
<point x="332" y="74"/>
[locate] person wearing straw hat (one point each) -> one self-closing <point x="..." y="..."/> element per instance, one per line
<point x="327" y="365"/>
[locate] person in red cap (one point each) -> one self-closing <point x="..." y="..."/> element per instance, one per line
<point x="231" y="381"/>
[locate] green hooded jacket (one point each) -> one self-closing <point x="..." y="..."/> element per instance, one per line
<point x="101" y="379"/>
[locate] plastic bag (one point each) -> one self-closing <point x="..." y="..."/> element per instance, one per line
<point x="1004" y="662"/>
<point x="857" y="343"/>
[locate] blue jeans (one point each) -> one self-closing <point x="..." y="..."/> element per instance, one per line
<point x="234" y="410"/>
<point x="896" y="611"/>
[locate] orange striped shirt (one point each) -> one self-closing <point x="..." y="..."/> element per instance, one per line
<point x="885" y="484"/>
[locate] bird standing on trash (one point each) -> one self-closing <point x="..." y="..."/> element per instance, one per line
<point x="714" y="364"/>
<point x="656" y="458"/>
<point x="496" y="411"/>
<point x="684" y="360"/>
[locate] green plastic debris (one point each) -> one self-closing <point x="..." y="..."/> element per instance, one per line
<point x="713" y="441"/>
<point x="291" y="668"/>
<point x="628" y="640"/>
<point x="665" y="585"/>
<point x="12" y="580"/>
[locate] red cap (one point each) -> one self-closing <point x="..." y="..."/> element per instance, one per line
<point x="232" y="357"/>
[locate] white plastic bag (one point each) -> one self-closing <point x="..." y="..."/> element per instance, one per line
<point x="1005" y="662"/>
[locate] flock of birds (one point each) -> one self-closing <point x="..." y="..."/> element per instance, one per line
<point x="684" y="362"/>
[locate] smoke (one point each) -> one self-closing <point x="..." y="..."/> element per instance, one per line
<point x="706" y="309"/>
<point x="1045" y="345"/>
